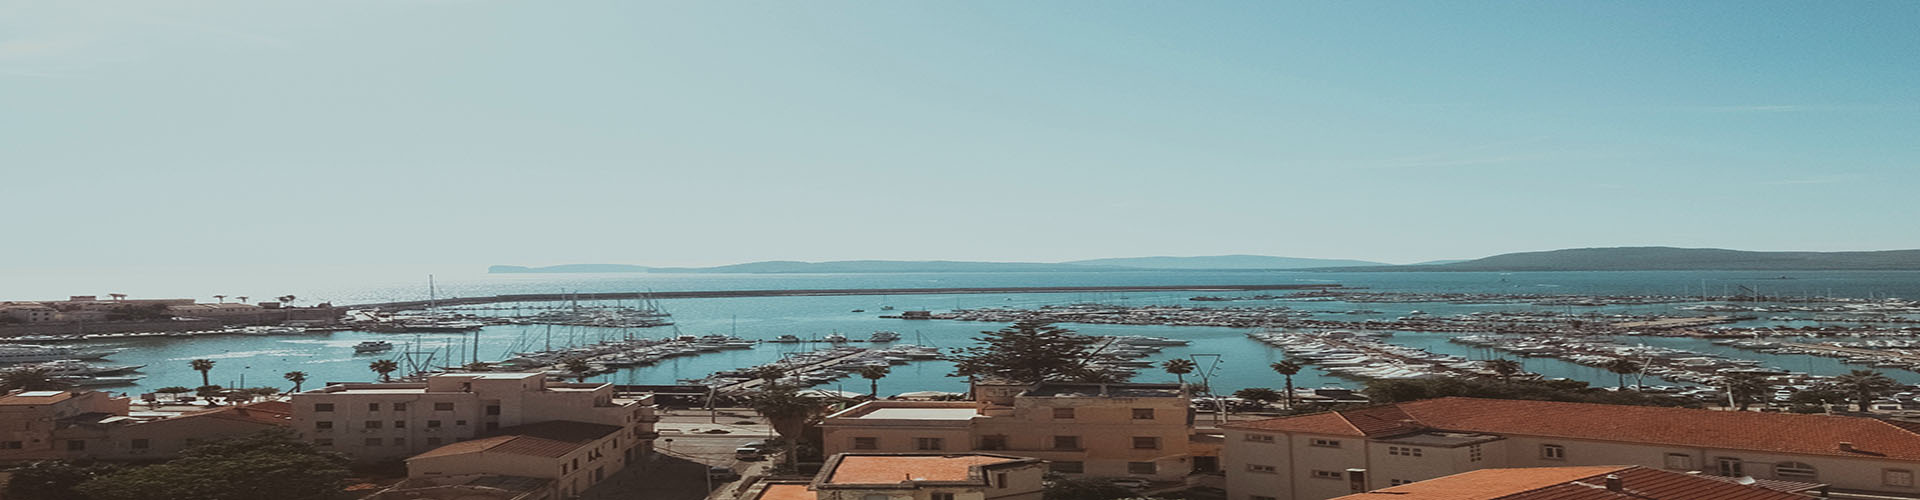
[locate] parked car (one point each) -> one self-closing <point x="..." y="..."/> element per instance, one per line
<point x="751" y="451"/>
<point x="722" y="474"/>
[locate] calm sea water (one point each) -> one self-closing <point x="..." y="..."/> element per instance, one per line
<point x="1242" y="362"/>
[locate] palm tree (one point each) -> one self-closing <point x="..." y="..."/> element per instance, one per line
<point x="1621" y="367"/>
<point x="297" y="378"/>
<point x="1745" y="388"/>
<point x="241" y="298"/>
<point x="1287" y="369"/>
<point x="29" y="379"/>
<point x="384" y="367"/>
<point x="787" y="412"/>
<point x="222" y="298"/>
<point x="286" y="300"/>
<point x="203" y="366"/>
<point x="1865" y="385"/>
<point x="873" y="374"/>
<point x="1179" y="368"/>
<point x="579" y="368"/>
<point x="208" y="392"/>
<point x="1505" y="368"/>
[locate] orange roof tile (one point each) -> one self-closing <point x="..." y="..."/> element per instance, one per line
<point x="1771" y="432"/>
<point x="1573" y="483"/>
<point x="552" y="439"/>
<point x="894" y="469"/>
<point x="34" y="398"/>
<point x="786" y="491"/>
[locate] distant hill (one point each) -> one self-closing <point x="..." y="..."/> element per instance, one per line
<point x="945" y="266"/>
<point x="1676" y="259"/>
<point x="1225" y="262"/>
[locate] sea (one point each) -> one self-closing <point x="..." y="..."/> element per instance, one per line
<point x="1230" y="359"/>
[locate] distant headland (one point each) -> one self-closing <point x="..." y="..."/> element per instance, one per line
<point x="942" y="266"/>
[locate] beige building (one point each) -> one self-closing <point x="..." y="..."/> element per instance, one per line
<point x="570" y="456"/>
<point x="29" y="312"/>
<point x="1105" y="430"/>
<point x="1582" y="483"/>
<point x="910" y="476"/>
<point x="1327" y="455"/>
<point x="39" y="425"/>
<point x="382" y="421"/>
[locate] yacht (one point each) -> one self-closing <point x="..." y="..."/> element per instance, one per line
<point x="787" y="339"/>
<point x="78" y="368"/>
<point x="29" y="353"/>
<point x="440" y="326"/>
<point x="373" y="346"/>
<point x="834" y="338"/>
<point x="884" y="336"/>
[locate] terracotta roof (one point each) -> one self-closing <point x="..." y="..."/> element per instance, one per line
<point x="551" y="439"/>
<point x="1573" y="483"/>
<point x="36" y="398"/>
<point x="1770" y="432"/>
<point x="266" y="413"/>
<point x="786" y="491"/>
<point x="895" y="469"/>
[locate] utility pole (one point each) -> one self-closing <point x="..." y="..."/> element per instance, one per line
<point x="1206" y="379"/>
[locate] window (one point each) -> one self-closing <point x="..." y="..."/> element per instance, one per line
<point x="866" y="443"/>
<point x="323" y="424"/>
<point x="1066" y="442"/>
<point x="372" y="424"/>
<point x="399" y="424"/>
<point x="443" y="407"/>
<point x="374" y="441"/>
<point x="323" y="442"/>
<point x="493" y="409"/>
<point x="993" y="442"/>
<point x="1326" y="443"/>
<point x="399" y="407"/>
<point x="1473" y="453"/>
<point x="1553" y="452"/>
<point x="1063" y="413"/>
<point x="373" y="406"/>
<point x="1793" y="470"/>
<point x="1000" y="480"/>
<point x="1142" y="468"/>
<point x="1327" y="474"/>
<point x="433" y="424"/>
<point x="1260" y="438"/>
<point x="931" y="444"/>
<point x="1397" y="482"/>
<point x="942" y="496"/>
<point x="323" y="407"/>
<point x="1404" y="451"/>
<point x="1146" y="443"/>
<point x="1679" y="461"/>
<point x="1068" y="467"/>
<point x="1730" y="467"/>
<point x="1897" y="477"/>
<point x="1143" y="414"/>
<point x="1262" y="469"/>
<point x="139" y="444"/>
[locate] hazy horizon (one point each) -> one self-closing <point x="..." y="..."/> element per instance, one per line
<point x="405" y="138"/>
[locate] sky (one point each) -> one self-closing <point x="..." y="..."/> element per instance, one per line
<point x="423" y="135"/>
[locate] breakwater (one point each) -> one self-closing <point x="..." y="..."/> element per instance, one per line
<point x="713" y="294"/>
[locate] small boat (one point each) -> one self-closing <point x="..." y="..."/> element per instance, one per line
<point x="89" y="381"/>
<point x="884" y="336"/>
<point x="834" y="338"/>
<point x="787" y="339"/>
<point x="373" y="346"/>
<point x="859" y="310"/>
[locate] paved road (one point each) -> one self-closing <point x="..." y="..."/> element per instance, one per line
<point x="685" y="450"/>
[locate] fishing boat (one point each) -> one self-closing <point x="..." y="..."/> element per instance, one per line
<point x="373" y="346"/>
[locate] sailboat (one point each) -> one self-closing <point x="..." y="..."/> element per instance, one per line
<point x="434" y="322"/>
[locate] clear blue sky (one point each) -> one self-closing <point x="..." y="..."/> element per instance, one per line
<point x="449" y="134"/>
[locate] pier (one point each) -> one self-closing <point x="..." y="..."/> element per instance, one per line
<point x="1853" y="351"/>
<point x="752" y="383"/>
<point x="715" y="294"/>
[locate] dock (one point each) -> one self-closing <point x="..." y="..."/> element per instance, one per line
<point x="712" y="294"/>
<point x="749" y="384"/>
<point x="1673" y="323"/>
<point x="1853" y="351"/>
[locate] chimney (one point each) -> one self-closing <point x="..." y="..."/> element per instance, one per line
<point x="1846" y="446"/>
<point x="1613" y="483"/>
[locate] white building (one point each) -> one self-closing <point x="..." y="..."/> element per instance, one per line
<point x="379" y="421"/>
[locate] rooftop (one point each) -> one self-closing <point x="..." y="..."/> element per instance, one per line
<point x="785" y="491"/>
<point x="1062" y="389"/>
<point x="889" y="469"/>
<point x="35" y="398"/>
<point x="551" y="439"/>
<point x="922" y="413"/>
<point x="1573" y="483"/>
<point x="1755" y="431"/>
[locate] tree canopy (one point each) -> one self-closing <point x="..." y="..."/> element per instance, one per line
<point x="1030" y="352"/>
<point x="1398" y="390"/>
<point x="271" y="464"/>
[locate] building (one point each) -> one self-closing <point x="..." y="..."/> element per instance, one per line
<point x="1577" y="483"/>
<point x="28" y="312"/>
<point x="1107" y="430"/>
<point x="569" y="456"/>
<point x="914" y="476"/>
<point x="1327" y="455"/>
<point x="40" y="425"/>
<point x="386" y="421"/>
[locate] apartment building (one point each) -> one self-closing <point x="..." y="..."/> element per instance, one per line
<point x="41" y="425"/>
<point x="1327" y="455"/>
<point x="384" y="421"/>
<point x="1103" y="430"/>
<point x="914" y="476"/>
<point x="569" y="456"/>
<point x="1579" y="483"/>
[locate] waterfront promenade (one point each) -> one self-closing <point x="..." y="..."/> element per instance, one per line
<point x="713" y="294"/>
